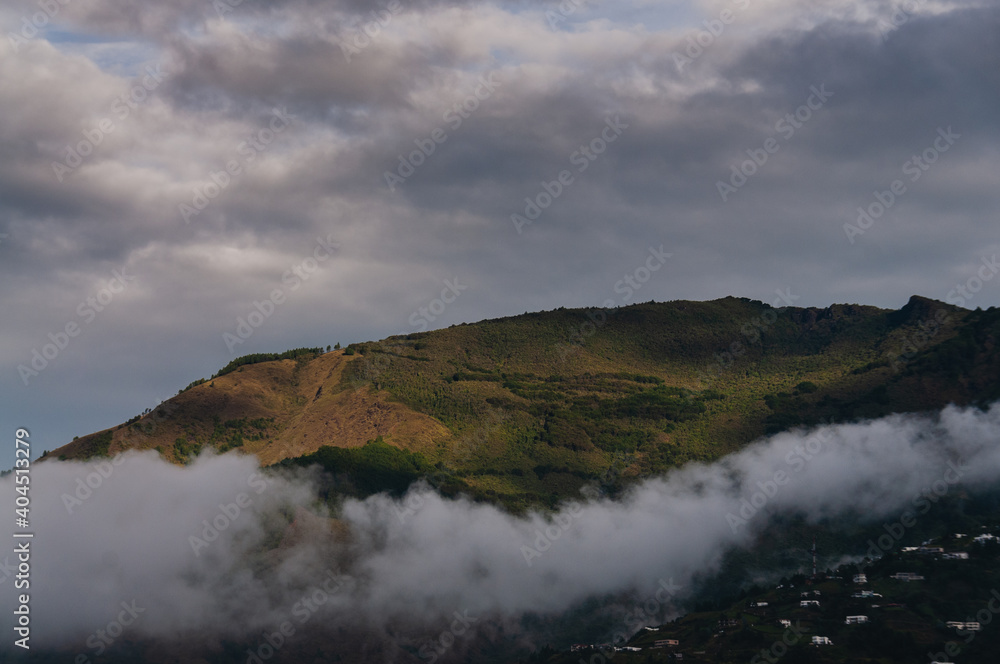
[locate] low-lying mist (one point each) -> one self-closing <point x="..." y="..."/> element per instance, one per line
<point x="212" y="559"/>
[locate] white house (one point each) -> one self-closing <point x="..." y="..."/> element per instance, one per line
<point x="907" y="576"/>
<point x="860" y="578"/>
<point x="855" y="620"/>
<point x="963" y="626"/>
<point x="865" y="594"/>
<point x="821" y="641"/>
<point x="784" y="623"/>
<point x="958" y="555"/>
<point x="806" y="603"/>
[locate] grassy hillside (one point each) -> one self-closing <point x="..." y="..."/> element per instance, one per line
<point x="276" y="409"/>
<point x="530" y="408"/>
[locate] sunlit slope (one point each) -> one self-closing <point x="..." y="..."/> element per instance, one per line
<point x="539" y="404"/>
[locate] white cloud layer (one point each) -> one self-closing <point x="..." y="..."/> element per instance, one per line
<point x="405" y="566"/>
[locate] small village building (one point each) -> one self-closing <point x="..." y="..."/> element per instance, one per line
<point x="963" y="626"/>
<point x="865" y="594"/>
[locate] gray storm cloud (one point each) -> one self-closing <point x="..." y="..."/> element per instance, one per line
<point x="141" y="530"/>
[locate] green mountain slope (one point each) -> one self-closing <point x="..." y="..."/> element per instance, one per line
<point x="529" y="409"/>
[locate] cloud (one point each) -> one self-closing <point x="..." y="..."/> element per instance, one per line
<point x="355" y="117"/>
<point x="209" y="553"/>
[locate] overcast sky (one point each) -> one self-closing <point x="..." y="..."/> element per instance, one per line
<point x="165" y="166"/>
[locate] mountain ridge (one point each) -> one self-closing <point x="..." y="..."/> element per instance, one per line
<point x="534" y="406"/>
